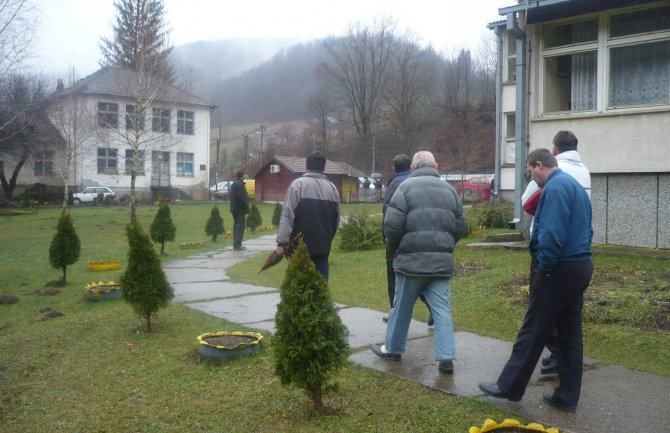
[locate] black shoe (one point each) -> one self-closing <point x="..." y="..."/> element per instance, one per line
<point x="431" y="322"/>
<point x="446" y="366"/>
<point x="493" y="390"/>
<point x="377" y="350"/>
<point x="385" y="319"/>
<point x="551" y="368"/>
<point x="548" y="360"/>
<point x="553" y="401"/>
<point x="241" y="247"/>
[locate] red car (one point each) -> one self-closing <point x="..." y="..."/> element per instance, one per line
<point x="474" y="185"/>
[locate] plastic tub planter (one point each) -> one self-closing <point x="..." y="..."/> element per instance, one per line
<point x="105" y="265"/>
<point x="224" y="345"/>
<point x="103" y="291"/>
<point x="511" y="426"/>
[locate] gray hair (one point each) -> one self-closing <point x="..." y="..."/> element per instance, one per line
<point x="423" y="158"/>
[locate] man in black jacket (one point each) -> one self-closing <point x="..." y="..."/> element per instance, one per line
<point x="423" y="222"/>
<point x="239" y="207"/>
<point x="312" y="208"/>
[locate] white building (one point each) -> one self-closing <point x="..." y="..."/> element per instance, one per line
<point x="102" y="112"/>
<point x="602" y="70"/>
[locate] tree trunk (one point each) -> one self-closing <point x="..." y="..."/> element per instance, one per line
<point x="162" y="247"/>
<point x="317" y="399"/>
<point x="8" y="186"/>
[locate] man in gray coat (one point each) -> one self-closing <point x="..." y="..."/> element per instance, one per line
<point x="423" y="222"/>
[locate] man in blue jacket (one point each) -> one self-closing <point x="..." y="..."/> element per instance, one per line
<point x="561" y="244"/>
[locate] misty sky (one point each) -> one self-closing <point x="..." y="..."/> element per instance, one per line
<point x="70" y="30"/>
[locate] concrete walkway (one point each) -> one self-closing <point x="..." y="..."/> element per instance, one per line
<point x="614" y="399"/>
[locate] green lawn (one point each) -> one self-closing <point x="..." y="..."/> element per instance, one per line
<point x="93" y="369"/>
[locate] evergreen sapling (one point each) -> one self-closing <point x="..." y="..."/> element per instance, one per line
<point x="162" y="228"/>
<point x="65" y="245"/>
<point x="276" y="216"/>
<point x="311" y="341"/>
<point x="214" y="226"/>
<point x="144" y="283"/>
<point x="254" y="220"/>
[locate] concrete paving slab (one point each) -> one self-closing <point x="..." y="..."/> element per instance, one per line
<point x="191" y="292"/>
<point x="245" y="309"/>
<point x="195" y="275"/>
<point x="366" y="326"/>
<point x="267" y="326"/>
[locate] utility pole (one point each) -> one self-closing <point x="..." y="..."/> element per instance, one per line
<point x="261" y="132"/>
<point x="218" y="168"/>
<point x="246" y="151"/>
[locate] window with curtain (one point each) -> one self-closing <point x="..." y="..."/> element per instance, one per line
<point x="107" y="161"/>
<point x="640" y="74"/>
<point x="509" y="152"/>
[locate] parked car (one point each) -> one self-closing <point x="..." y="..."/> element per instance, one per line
<point x="224" y="184"/>
<point x="220" y="191"/>
<point x="474" y="185"/>
<point x="90" y="194"/>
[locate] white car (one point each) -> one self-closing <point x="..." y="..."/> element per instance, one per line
<point x="221" y="185"/>
<point x="90" y="194"/>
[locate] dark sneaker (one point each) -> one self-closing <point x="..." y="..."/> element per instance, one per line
<point x="553" y="401"/>
<point x="380" y="351"/>
<point x="446" y="366"/>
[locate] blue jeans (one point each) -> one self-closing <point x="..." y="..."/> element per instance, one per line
<point x="321" y="263"/>
<point x="438" y="294"/>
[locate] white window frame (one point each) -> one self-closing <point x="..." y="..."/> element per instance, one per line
<point x="45" y="161"/>
<point x="108" y="114"/>
<point x="509" y="149"/>
<point x="603" y="46"/>
<point x="128" y="163"/>
<point x="161" y="120"/>
<point x="109" y="156"/>
<point x="185" y="122"/>
<point x="183" y="162"/>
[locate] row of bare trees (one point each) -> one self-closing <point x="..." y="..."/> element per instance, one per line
<point x="397" y="96"/>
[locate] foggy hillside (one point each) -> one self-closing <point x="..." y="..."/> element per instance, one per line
<point x="275" y="91"/>
<point x="205" y="65"/>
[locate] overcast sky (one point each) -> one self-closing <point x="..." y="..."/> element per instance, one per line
<point x="70" y="30"/>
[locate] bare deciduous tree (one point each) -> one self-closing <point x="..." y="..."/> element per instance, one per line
<point x="357" y="72"/>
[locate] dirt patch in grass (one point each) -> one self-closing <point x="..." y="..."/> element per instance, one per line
<point x="464" y="268"/>
<point x="8" y="299"/>
<point x="632" y="297"/>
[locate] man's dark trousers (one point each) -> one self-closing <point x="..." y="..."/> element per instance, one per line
<point x="553" y="335"/>
<point x="556" y="300"/>
<point x="238" y="229"/>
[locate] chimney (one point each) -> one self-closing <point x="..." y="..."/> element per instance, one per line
<point x="60" y="85"/>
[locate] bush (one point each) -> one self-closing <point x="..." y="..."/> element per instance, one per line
<point x="361" y="232"/>
<point x="214" y="225"/>
<point x="254" y="220"/>
<point x="65" y="246"/>
<point x="144" y="283"/>
<point x="311" y="341"/>
<point x="495" y="214"/>
<point x="70" y="198"/>
<point x="276" y="216"/>
<point x="162" y="228"/>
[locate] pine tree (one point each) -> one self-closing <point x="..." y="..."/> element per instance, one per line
<point x="214" y="226"/>
<point x="141" y="38"/>
<point x="65" y="245"/>
<point x="70" y="198"/>
<point x="254" y="220"/>
<point x="26" y="198"/>
<point x="162" y="228"/>
<point x="311" y="341"/>
<point x="276" y="216"/>
<point x="144" y="283"/>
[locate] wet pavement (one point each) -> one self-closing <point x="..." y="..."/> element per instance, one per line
<point x="614" y="399"/>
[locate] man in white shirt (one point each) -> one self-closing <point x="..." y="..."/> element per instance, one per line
<point x="569" y="161"/>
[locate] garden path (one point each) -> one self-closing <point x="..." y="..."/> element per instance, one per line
<point x="614" y="399"/>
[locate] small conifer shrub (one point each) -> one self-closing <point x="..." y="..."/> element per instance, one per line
<point x="26" y="198"/>
<point x="162" y="228"/>
<point x="254" y="220"/>
<point x="214" y="225"/>
<point x="65" y="245"/>
<point x="311" y="341"/>
<point x="70" y="198"/>
<point x="361" y="232"/>
<point x="144" y="283"/>
<point x="276" y="216"/>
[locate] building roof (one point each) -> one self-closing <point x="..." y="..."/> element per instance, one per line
<point x="545" y="10"/>
<point x="114" y="81"/>
<point x="296" y="164"/>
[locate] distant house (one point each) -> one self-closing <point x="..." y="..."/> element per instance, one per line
<point x="175" y="137"/>
<point x="602" y="70"/>
<point x="273" y="179"/>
